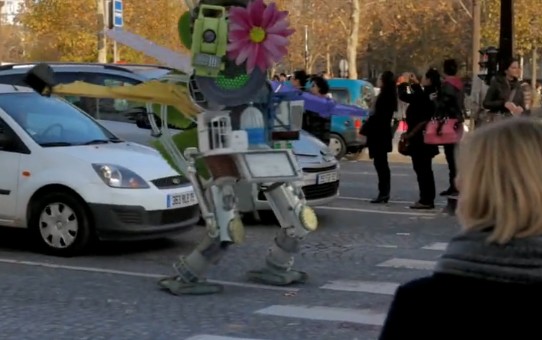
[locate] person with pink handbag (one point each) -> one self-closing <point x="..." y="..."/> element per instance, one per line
<point x="418" y="113"/>
<point x="446" y="127"/>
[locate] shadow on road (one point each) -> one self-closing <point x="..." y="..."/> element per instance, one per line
<point x="15" y="240"/>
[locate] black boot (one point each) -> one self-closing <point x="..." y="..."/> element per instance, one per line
<point x="381" y="199"/>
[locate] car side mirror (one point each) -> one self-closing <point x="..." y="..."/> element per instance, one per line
<point x="142" y="122"/>
<point x="135" y="113"/>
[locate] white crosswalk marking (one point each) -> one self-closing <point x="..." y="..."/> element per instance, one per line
<point x="440" y="246"/>
<point x="216" y="337"/>
<point x="408" y="264"/>
<point x="364" y="302"/>
<point x="362" y="316"/>
<point x="387" y="288"/>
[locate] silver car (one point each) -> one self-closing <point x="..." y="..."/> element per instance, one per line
<point x="320" y="168"/>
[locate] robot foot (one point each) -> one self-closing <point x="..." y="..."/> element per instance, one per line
<point x="278" y="278"/>
<point x="176" y="286"/>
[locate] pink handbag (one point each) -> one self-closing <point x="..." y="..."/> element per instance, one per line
<point x="443" y="131"/>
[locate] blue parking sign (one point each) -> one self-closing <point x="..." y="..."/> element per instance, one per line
<point x="118" y="20"/>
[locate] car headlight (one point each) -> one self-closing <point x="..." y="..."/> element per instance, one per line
<point x="117" y="176"/>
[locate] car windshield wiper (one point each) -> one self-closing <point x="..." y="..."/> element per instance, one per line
<point x="115" y="140"/>
<point x="96" y="141"/>
<point x="56" y="144"/>
<point x="103" y="141"/>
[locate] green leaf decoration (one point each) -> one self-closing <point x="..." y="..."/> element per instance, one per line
<point x="184" y="30"/>
<point x="183" y="140"/>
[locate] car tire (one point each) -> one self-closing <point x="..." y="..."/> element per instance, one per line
<point x="337" y="146"/>
<point x="60" y="224"/>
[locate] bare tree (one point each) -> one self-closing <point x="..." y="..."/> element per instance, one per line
<point x="353" y="39"/>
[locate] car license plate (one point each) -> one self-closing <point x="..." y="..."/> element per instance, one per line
<point x="327" y="177"/>
<point x="181" y="200"/>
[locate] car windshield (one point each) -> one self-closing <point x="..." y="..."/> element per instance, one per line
<point x="52" y="121"/>
<point x="341" y="96"/>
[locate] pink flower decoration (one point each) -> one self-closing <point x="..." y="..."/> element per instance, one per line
<point x="258" y="34"/>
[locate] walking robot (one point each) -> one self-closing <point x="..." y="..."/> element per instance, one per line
<point x="243" y="129"/>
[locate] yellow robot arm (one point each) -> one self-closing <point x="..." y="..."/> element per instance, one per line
<point x="155" y="92"/>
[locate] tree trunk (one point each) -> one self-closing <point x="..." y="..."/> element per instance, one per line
<point x="534" y="72"/>
<point x="102" y="43"/>
<point x="328" y="62"/>
<point x="476" y="14"/>
<point x="352" y="47"/>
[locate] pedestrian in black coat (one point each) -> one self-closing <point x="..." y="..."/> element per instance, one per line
<point x="421" y="99"/>
<point x="505" y="95"/>
<point x="378" y="130"/>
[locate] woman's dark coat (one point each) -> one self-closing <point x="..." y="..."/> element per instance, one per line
<point x="377" y="128"/>
<point x="499" y="93"/>
<point x="420" y="109"/>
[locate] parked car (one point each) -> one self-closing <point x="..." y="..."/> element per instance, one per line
<point x="345" y="137"/>
<point x="68" y="179"/>
<point x="320" y="168"/>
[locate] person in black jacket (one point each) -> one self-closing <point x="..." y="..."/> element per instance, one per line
<point x="378" y="131"/>
<point x="505" y="97"/>
<point x="451" y="104"/>
<point x="488" y="283"/>
<point x="421" y="108"/>
<point x="314" y="123"/>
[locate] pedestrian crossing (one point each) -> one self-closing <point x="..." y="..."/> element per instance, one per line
<point x="372" y="315"/>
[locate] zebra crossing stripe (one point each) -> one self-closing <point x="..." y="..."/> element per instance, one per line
<point x="385" y="288"/>
<point x="440" y="246"/>
<point x="408" y="264"/>
<point x="320" y="313"/>
<point x="216" y="337"/>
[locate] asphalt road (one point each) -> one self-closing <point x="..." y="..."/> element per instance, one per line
<point x="355" y="261"/>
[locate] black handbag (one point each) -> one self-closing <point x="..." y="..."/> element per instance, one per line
<point x="403" y="146"/>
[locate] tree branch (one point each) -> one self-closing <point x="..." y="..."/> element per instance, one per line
<point x="343" y="24"/>
<point x="451" y="17"/>
<point x="462" y="4"/>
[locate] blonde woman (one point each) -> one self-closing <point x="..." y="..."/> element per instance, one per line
<point x="488" y="284"/>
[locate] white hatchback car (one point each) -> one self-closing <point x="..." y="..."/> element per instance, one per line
<point x="67" y="179"/>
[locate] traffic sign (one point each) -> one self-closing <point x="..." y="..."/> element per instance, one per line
<point x="118" y="20"/>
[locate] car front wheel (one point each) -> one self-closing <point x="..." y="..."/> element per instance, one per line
<point x="60" y="224"/>
<point x="337" y="146"/>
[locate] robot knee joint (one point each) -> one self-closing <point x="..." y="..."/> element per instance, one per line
<point x="292" y="212"/>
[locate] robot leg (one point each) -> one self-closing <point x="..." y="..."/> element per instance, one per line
<point x="224" y="227"/>
<point x="296" y="220"/>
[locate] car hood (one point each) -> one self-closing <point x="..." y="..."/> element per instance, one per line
<point x="309" y="145"/>
<point x="145" y="161"/>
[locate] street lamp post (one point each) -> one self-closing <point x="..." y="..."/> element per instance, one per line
<point x="506" y="36"/>
<point x="1" y="24"/>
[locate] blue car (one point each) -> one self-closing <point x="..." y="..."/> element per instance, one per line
<point x="344" y="130"/>
<point x="345" y="137"/>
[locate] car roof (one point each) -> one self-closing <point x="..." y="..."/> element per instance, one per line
<point x="6" y="88"/>
<point x="59" y="65"/>
<point x="343" y="82"/>
<point x="140" y="72"/>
